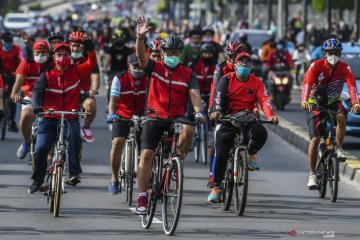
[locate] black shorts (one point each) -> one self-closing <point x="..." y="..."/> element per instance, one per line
<point x="120" y="129"/>
<point x="314" y="119"/>
<point x="152" y="131"/>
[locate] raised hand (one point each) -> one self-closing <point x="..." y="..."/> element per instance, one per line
<point x="142" y="26"/>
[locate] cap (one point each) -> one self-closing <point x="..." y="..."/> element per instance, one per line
<point x="62" y="45"/>
<point x="41" y="44"/>
<point x="243" y="54"/>
<point x="133" y="59"/>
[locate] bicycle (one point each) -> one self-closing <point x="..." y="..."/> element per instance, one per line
<point x="129" y="157"/>
<point x="167" y="179"/>
<point x="5" y="120"/>
<point x="237" y="173"/>
<point x="201" y="134"/>
<point x="55" y="184"/>
<point x="327" y="166"/>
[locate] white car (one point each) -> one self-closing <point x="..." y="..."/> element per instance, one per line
<point x="17" y="21"/>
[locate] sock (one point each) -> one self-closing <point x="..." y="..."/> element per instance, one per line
<point x="312" y="173"/>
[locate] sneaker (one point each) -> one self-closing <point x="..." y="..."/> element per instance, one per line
<point x="35" y="186"/>
<point x="142" y="205"/>
<point x="87" y="135"/>
<point x="252" y="164"/>
<point x="210" y="183"/>
<point x="23" y="150"/>
<point x="340" y="154"/>
<point x="113" y="188"/>
<point x="215" y="195"/>
<point x="13" y="128"/>
<point x="312" y="183"/>
<point x="73" y="180"/>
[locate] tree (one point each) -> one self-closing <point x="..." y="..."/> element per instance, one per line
<point x="320" y="5"/>
<point x="9" y="5"/>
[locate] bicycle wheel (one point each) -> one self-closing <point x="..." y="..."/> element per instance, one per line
<point x="172" y="195"/>
<point x="32" y="151"/>
<point x="241" y="184"/>
<point x="197" y="143"/>
<point x="51" y="192"/>
<point x="204" y="142"/>
<point x="5" y="119"/>
<point x="130" y="175"/>
<point x="321" y="172"/>
<point x="333" y="177"/>
<point x="58" y="190"/>
<point x="228" y="185"/>
<point x="152" y="191"/>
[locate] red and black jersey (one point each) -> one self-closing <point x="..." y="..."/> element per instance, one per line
<point x="204" y="74"/>
<point x="319" y="74"/>
<point x="86" y="84"/>
<point x="132" y="98"/>
<point x="233" y="96"/>
<point x="59" y="90"/>
<point x="10" y="60"/>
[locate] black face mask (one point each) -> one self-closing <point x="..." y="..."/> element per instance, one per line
<point x="208" y="60"/>
<point x="119" y="44"/>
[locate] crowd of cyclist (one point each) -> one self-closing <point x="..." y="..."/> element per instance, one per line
<point x="160" y="78"/>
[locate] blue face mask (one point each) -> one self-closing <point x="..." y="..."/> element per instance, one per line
<point x="280" y="47"/>
<point x="243" y="71"/>
<point x="171" y="61"/>
<point x="7" y="46"/>
<point x="76" y="55"/>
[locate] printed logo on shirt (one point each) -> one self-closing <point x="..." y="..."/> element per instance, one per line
<point x="249" y="91"/>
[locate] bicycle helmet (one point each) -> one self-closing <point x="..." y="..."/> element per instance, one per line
<point x="332" y="44"/>
<point x="234" y="48"/>
<point x="7" y="36"/>
<point x="55" y="35"/>
<point x="118" y="36"/>
<point x="207" y="48"/>
<point x="208" y="29"/>
<point x="172" y="42"/>
<point x="155" y="45"/>
<point x="76" y="37"/>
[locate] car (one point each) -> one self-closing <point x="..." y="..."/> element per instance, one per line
<point x="351" y="55"/>
<point x="256" y="38"/>
<point x="17" y="21"/>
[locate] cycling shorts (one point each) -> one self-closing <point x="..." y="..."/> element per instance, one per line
<point x="314" y="119"/>
<point x="152" y="131"/>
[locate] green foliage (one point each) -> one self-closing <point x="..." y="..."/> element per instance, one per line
<point x="318" y="5"/>
<point x="321" y="5"/>
<point x="36" y="6"/>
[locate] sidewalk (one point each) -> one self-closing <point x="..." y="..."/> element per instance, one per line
<point x="300" y="139"/>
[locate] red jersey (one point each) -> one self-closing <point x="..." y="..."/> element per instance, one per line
<point x="86" y="83"/>
<point x="277" y="56"/>
<point x="10" y="60"/>
<point x="31" y="71"/>
<point x="318" y="75"/>
<point x="233" y="96"/>
<point x="204" y="74"/>
<point x="1" y="83"/>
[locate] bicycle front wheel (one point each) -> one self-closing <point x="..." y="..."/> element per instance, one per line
<point x="241" y="184"/>
<point x="197" y="143"/>
<point x="130" y="174"/>
<point x="321" y="172"/>
<point x="333" y="177"/>
<point x="172" y="195"/>
<point x="51" y="192"/>
<point x="58" y="190"/>
<point x="204" y="142"/>
<point x="5" y="119"/>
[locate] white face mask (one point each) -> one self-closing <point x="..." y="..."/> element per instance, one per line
<point x="332" y="59"/>
<point x="40" y="59"/>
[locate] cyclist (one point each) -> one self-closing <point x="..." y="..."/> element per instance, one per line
<point x="323" y="84"/>
<point x="54" y="38"/>
<point x="191" y="51"/>
<point x="59" y="89"/>
<point x="26" y="75"/>
<point x="204" y="69"/>
<point x="115" y="58"/>
<point x="10" y="58"/>
<point x="208" y="36"/>
<point x="127" y="98"/>
<point x="88" y="88"/>
<point x="236" y="92"/>
<point x="227" y="66"/>
<point x="170" y="84"/>
<point x="155" y="50"/>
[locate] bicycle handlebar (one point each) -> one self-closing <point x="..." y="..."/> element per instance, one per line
<point x="24" y="101"/>
<point x="53" y="112"/>
<point x="231" y="119"/>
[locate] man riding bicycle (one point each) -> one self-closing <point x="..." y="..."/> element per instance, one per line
<point x="235" y="93"/>
<point x="127" y="98"/>
<point x="322" y="85"/>
<point x="170" y="84"/>
<point x="59" y="89"/>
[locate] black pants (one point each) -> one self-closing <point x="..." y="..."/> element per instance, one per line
<point x="9" y="80"/>
<point x="255" y="136"/>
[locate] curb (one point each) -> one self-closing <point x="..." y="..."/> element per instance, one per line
<point x="296" y="136"/>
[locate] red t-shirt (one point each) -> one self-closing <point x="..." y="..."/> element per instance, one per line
<point x="10" y="60"/>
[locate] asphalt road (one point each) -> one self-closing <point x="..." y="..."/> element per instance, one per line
<point x="278" y="201"/>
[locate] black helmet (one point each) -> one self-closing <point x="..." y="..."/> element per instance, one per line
<point x="172" y="42"/>
<point x="207" y="48"/>
<point x="55" y="35"/>
<point x="7" y="36"/>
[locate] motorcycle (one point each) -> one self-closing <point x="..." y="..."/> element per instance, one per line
<point x="281" y="83"/>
